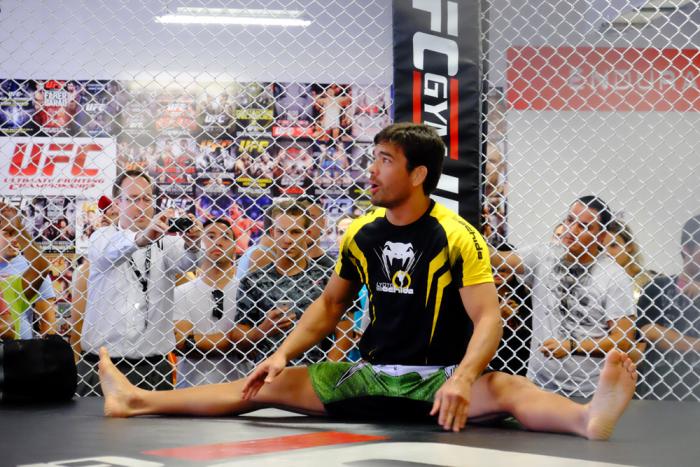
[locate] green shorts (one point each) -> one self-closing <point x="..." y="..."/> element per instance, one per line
<point x="361" y="390"/>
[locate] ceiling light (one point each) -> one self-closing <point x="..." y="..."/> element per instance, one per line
<point x="254" y="17"/>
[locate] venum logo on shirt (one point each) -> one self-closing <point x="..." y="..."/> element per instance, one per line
<point x="398" y="262"/>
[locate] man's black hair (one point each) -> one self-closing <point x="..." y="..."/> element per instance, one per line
<point x="220" y="220"/>
<point x="690" y="235"/>
<point x="421" y="145"/>
<point x="605" y="216"/>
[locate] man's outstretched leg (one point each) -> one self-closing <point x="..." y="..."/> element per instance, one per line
<point x="543" y="411"/>
<point x="291" y="390"/>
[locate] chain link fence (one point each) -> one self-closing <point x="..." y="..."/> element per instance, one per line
<point x="595" y="98"/>
<point x="228" y="122"/>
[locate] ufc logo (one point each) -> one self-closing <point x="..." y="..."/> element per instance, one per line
<point x="252" y="146"/>
<point x="31" y="159"/>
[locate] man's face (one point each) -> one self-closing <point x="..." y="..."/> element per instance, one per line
<point x="622" y="252"/>
<point x="135" y="203"/>
<point x="390" y="180"/>
<point x="290" y="236"/>
<point x="502" y="274"/>
<point x="218" y="242"/>
<point x="9" y="247"/>
<point x="581" y="230"/>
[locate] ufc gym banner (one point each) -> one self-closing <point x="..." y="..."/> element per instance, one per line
<point x="437" y="82"/>
<point x="83" y="167"/>
<point x="604" y="79"/>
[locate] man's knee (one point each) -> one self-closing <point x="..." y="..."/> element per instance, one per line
<point x="292" y="389"/>
<point x="505" y="387"/>
<point x="290" y="382"/>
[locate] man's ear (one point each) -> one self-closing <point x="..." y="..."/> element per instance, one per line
<point x="418" y="175"/>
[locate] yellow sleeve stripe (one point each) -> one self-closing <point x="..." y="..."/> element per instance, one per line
<point x="435" y="264"/>
<point x="443" y="281"/>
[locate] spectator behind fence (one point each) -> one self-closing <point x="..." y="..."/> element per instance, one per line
<point x="17" y="291"/>
<point x="274" y="297"/>
<point x="313" y="252"/>
<point x="205" y="313"/>
<point x="133" y="268"/>
<point x="316" y="231"/>
<point x="40" y="317"/>
<point x="109" y="215"/>
<point x="256" y="253"/>
<point x="669" y="323"/>
<point x="581" y="301"/>
<point x="515" y="299"/>
<point x="627" y="253"/>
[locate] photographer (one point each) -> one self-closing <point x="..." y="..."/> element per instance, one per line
<point x="133" y="268"/>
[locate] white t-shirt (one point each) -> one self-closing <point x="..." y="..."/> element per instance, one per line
<point x="194" y="302"/>
<point x="572" y="301"/>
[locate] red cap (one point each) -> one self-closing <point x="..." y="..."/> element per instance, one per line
<point x="104" y="203"/>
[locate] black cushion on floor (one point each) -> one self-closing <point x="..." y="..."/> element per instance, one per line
<point x="37" y="370"/>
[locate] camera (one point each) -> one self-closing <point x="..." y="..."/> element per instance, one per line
<point x="180" y="224"/>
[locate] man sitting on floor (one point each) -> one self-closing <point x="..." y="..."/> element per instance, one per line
<point x="435" y="324"/>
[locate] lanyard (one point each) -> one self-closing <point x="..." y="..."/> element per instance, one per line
<point x="143" y="279"/>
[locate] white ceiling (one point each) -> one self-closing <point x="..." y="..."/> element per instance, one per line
<point x="107" y="38"/>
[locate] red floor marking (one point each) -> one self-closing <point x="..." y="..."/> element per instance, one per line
<point x="262" y="446"/>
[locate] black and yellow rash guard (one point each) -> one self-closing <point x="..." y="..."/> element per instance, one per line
<point x="413" y="274"/>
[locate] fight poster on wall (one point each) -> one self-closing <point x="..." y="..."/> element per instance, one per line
<point x="17" y="107"/>
<point x="294" y="110"/>
<point x="50" y="221"/>
<point x="294" y="167"/>
<point x="215" y="109"/>
<point x="254" y="108"/>
<point x="42" y="166"/>
<point x="254" y="166"/>
<point x="332" y="172"/>
<point x="370" y="111"/>
<point x="60" y="108"/>
<point x="437" y="81"/>
<point x="216" y="158"/>
<point x="100" y="104"/>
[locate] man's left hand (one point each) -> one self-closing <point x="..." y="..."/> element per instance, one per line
<point x="193" y="234"/>
<point x="557" y="349"/>
<point x="452" y="403"/>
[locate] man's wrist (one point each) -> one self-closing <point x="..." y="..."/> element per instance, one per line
<point x="281" y="353"/>
<point x="465" y="375"/>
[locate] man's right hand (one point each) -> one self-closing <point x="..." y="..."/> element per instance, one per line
<point x="265" y="373"/>
<point x="156" y="229"/>
<point x="276" y="320"/>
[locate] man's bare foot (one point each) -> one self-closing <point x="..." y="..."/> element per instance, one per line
<point x="120" y="395"/>
<point x="615" y="389"/>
